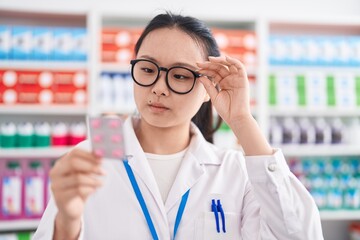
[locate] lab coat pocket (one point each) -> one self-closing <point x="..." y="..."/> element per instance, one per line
<point x="206" y="227"/>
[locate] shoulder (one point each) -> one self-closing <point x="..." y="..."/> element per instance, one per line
<point x="224" y="156"/>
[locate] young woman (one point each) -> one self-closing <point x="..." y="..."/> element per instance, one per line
<point x="176" y="184"/>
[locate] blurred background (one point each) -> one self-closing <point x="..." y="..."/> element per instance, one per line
<point x="63" y="60"/>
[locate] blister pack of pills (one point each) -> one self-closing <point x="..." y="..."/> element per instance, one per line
<point x="106" y="134"/>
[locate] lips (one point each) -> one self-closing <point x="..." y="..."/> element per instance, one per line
<point x="158" y="107"/>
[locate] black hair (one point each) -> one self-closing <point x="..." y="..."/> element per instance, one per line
<point x="197" y="30"/>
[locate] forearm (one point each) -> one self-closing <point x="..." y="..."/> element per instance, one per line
<point x="66" y="229"/>
<point x="250" y="137"/>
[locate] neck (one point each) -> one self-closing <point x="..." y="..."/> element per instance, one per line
<point x="162" y="140"/>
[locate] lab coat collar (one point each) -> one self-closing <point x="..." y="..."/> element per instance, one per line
<point x="192" y="168"/>
<point x="199" y="153"/>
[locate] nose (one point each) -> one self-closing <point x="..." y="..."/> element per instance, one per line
<point x="160" y="88"/>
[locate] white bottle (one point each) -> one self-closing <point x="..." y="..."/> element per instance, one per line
<point x="307" y="131"/>
<point x="323" y="131"/>
<point x="291" y="131"/>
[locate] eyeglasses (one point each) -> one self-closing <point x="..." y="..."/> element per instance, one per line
<point x="180" y="80"/>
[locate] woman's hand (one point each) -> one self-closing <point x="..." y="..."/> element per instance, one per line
<point x="73" y="178"/>
<point x="228" y="87"/>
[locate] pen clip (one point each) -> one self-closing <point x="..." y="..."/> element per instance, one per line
<point x="215" y="210"/>
<point x="220" y="209"/>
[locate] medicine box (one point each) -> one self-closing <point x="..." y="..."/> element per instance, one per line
<point x="5" y="42"/>
<point x="21" y="43"/>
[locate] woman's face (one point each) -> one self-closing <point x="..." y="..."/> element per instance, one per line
<point x="157" y="104"/>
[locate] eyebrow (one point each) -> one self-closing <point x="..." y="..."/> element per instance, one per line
<point x="180" y="64"/>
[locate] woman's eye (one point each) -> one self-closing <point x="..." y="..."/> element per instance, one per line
<point x="180" y="77"/>
<point x="147" y="70"/>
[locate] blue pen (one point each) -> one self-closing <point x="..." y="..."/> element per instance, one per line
<point x="220" y="209"/>
<point x="215" y="210"/>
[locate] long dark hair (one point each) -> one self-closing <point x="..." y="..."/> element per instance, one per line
<point x="197" y="30"/>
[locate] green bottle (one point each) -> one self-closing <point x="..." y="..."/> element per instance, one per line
<point x="8" y="135"/>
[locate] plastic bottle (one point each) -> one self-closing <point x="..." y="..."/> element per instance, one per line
<point x="25" y="135"/>
<point x="34" y="190"/>
<point x="276" y="132"/>
<point x="8" y="134"/>
<point x="307" y="131"/>
<point x="337" y="131"/>
<point x="59" y="134"/>
<point x="77" y="133"/>
<point x="12" y="191"/>
<point x="42" y="134"/>
<point x="323" y="131"/>
<point x="291" y="131"/>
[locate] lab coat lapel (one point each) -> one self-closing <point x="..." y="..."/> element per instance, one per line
<point x="191" y="169"/>
<point x="140" y="166"/>
<point x="189" y="173"/>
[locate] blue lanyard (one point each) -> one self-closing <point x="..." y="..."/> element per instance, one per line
<point x="145" y="210"/>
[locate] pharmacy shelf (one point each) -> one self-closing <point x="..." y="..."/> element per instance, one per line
<point x="43" y="65"/>
<point x="340" y="215"/>
<point x="51" y="152"/>
<point x="37" y="109"/>
<point x="16" y="225"/>
<point x="319" y="150"/>
<point x="313" y="112"/>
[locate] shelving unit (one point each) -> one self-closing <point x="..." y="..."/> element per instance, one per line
<point x="50" y="152"/>
<point x="339" y="215"/>
<point x="95" y="21"/>
<point x="18" y="225"/>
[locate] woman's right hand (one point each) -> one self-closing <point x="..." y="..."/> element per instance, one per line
<point x="73" y="178"/>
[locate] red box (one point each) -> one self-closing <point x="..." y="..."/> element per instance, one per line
<point x="120" y="37"/>
<point x="235" y="38"/>
<point x="118" y="55"/>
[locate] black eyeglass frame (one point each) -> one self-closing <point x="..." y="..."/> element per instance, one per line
<point x="166" y="70"/>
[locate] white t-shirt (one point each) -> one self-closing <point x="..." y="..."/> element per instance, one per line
<point x="165" y="169"/>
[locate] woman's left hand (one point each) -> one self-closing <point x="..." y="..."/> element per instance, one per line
<point x="227" y="84"/>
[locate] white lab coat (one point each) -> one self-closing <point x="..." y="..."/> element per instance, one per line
<point x="261" y="198"/>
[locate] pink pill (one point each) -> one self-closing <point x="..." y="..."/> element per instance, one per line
<point x="116" y="138"/>
<point x="95" y="123"/>
<point x="97" y="138"/>
<point x="117" y="153"/>
<point x="114" y="123"/>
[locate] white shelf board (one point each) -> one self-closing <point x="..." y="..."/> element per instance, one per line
<point x="43" y="65"/>
<point x="313" y="112"/>
<point x="309" y="69"/>
<point x="122" y="110"/>
<point x="16" y="225"/>
<point x="340" y="214"/>
<point x="37" y="109"/>
<point x="115" y="67"/>
<point x="320" y="150"/>
<point x="50" y="152"/>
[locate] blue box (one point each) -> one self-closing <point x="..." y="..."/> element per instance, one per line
<point x="5" y="42"/>
<point x="42" y="43"/>
<point x="21" y="48"/>
<point x="80" y="44"/>
<point x="63" y="44"/>
<point x="355" y="46"/>
<point x="312" y="48"/>
<point x="278" y="50"/>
